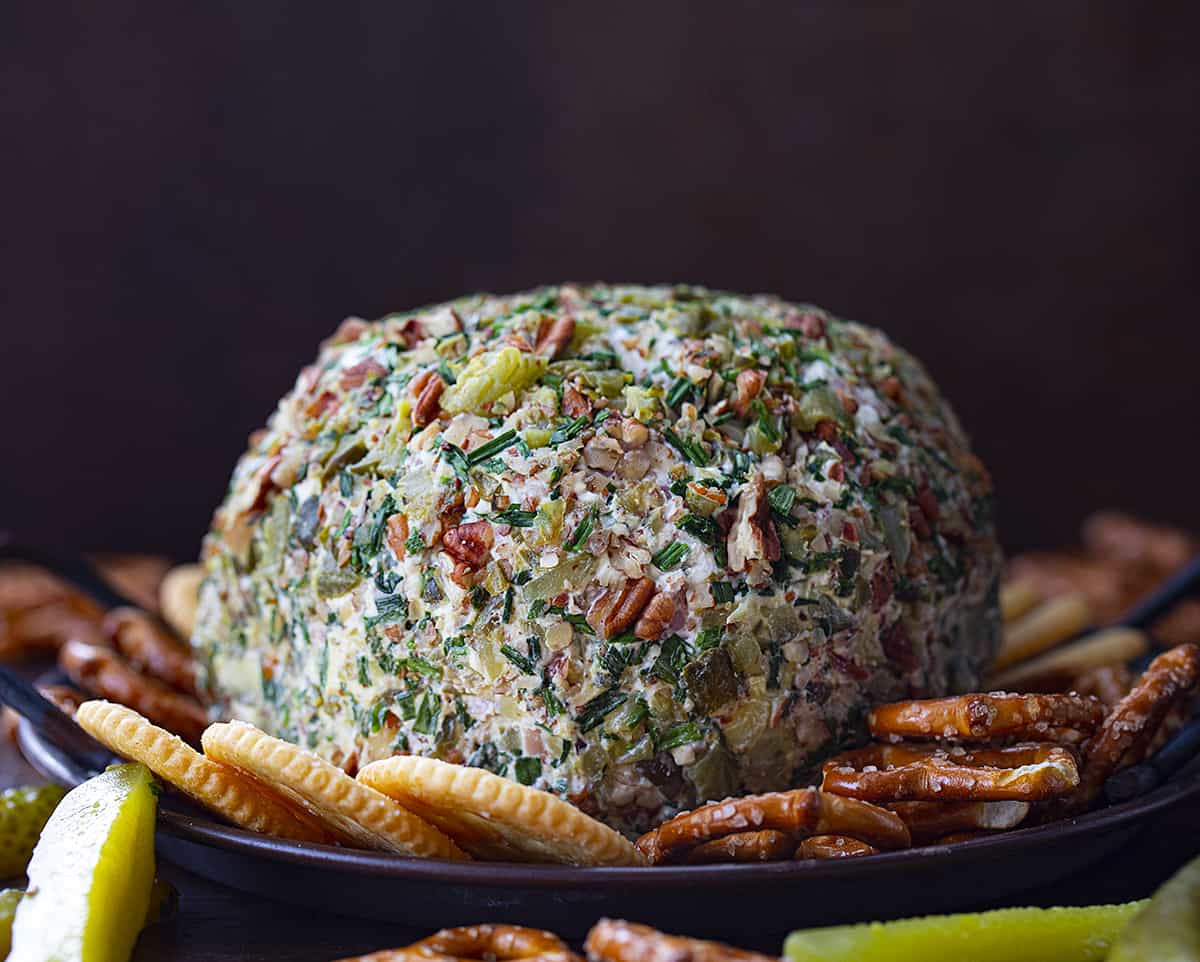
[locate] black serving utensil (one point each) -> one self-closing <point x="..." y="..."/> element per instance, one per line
<point x="81" y="753"/>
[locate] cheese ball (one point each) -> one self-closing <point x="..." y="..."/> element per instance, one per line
<point x="642" y="547"/>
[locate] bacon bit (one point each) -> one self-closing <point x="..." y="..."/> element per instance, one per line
<point x="847" y="456"/>
<point x="891" y="388"/>
<point x="898" y="646"/>
<point x="461" y="574"/>
<point x="361" y="372"/>
<point x="916" y="521"/>
<point x="397" y="535"/>
<point x="849" y="405"/>
<point x="413" y="333"/>
<point x="655" y="618"/>
<point x="836" y="472"/>
<point x="848" y="667"/>
<point x="749" y="385"/>
<point x="928" y="503"/>
<point x="554" y="340"/>
<point x="427" y="388"/>
<point x="574" y="404"/>
<point x="394" y="634"/>
<point x="470" y="543"/>
<point x="807" y="323"/>
<point x="351" y="329"/>
<point x="325" y="403"/>
<point x="849" y="533"/>
<point x="881" y="588"/>
<point x="826" y="430"/>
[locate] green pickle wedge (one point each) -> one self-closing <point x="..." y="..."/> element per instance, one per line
<point x="1003" y="935"/>
<point x="91" y="873"/>
<point x="1168" y="929"/>
<point x="9" y="898"/>
<point x="23" y="812"/>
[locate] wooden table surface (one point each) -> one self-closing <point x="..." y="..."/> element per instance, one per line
<point x="216" y="923"/>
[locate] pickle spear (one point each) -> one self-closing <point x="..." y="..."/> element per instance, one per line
<point x="1168" y="929"/>
<point x="1003" y="935"/>
<point x="9" y="899"/>
<point x="91" y="873"/>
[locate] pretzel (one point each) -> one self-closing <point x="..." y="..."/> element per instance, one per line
<point x="104" y="673"/>
<point x="475" y="942"/>
<point x="985" y="717"/>
<point x="1109" y="683"/>
<point x="799" y="812"/>
<point x="833" y="846"/>
<point x="611" y="940"/>
<point x="765" y="846"/>
<point x="1056" y="669"/>
<point x="1132" y="724"/>
<point x="898" y="773"/>
<point x="931" y="821"/>
<point x="1018" y="598"/>
<point x="955" y="837"/>
<point x="150" y="649"/>
<point x="45" y="628"/>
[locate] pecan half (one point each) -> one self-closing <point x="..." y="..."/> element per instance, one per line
<point x="574" y="404"/>
<point x="655" y="618"/>
<point x="752" y="537"/>
<point x="362" y="372"/>
<point x="427" y="389"/>
<point x="614" y="613"/>
<point x="557" y="336"/>
<point x="749" y="385"/>
<point x="469" y="543"/>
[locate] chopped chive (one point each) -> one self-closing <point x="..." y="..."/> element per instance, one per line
<point x="670" y="556"/>
<point x="722" y="592"/>
<point x="678" y="392"/>
<point x="708" y="638"/>
<point x="582" y="532"/>
<point x="523" y="663"/>
<point x="457" y="459"/>
<point x="516" y="517"/>
<point x="679" y="735"/>
<point x="599" y="708"/>
<point x="492" y="447"/>
<point x="690" y="448"/>
<point x="554" y="707"/>
<point x="569" y="430"/>
<point x="508" y="605"/>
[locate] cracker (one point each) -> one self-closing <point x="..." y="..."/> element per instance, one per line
<point x="494" y="818"/>
<point x="178" y="597"/>
<point x="353" y="811"/>
<point x="215" y="786"/>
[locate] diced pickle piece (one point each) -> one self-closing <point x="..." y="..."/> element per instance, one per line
<point x="1004" y="935"/>
<point x="1168" y="929"/>
<point x="710" y="680"/>
<point x="489" y="377"/>
<point x="9" y="900"/>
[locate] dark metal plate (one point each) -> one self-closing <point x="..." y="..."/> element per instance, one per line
<point x="715" y="901"/>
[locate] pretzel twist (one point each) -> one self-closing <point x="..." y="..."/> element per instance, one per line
<point x="765" y="846"/>
<point x="932" y="821"/>
<point x="615" y="941"/>
<point x="1133" y="723"/>
<point x="985" y="717"/>
<point x="470" y="943"/>
<point x="898" y="773"/>
<point x="799" y="813"/>
<point x="832" y="847"/>
<point x="149" y="648"/>
<point x="104" y="673"/>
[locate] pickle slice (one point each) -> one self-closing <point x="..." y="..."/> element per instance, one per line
<point x="9" y="900"/>
<point x="1004" y="935"/>
<point x="91" y="873"/>
<point x="1168" y="929"/>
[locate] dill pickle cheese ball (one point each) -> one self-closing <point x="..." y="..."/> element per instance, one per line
<point x="639" y="546"/>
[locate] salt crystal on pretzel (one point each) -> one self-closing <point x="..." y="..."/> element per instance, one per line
<point x="930" y="821"/>
<point x="985" y="716"/>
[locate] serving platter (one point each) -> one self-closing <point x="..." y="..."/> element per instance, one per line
<point x="720" y="901"/>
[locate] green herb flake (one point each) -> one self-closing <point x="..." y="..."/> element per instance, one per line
<point x="527" y="769"/>
<point x="670" y="556"/>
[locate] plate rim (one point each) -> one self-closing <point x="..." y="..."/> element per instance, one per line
<point x="177" y="822"/>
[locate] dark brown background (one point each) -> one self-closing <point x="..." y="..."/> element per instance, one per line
<point x="194" y="194"/>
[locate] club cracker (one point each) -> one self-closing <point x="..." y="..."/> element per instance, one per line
<point x="353" y="811"/>
<point x="494" y="818"/>
<point x="212" y="784"/>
